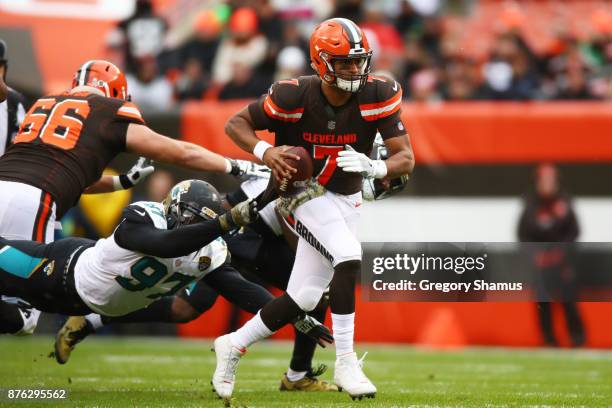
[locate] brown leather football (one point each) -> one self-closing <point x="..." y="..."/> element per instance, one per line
<point x="304" y="172"/>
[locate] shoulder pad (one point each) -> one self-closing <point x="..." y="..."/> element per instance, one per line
<point x="147" y="212"/>
<point x="381" y="97"/>
<point x="284" y="101"/>
<point x="130" y="111"/>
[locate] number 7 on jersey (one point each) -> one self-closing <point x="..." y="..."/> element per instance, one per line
<point x="320" y="152"/>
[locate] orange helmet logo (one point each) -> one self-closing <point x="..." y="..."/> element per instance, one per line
<point x="104" y="76"/>
<point x="340" y="39"/>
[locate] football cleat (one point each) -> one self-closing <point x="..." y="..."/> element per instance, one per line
<point x="29" y="315"/>
<point x="72" y="332"/>
<point x="349" y="377"/>
<point x="228" y="358"/>
<point x="310" y="382"/>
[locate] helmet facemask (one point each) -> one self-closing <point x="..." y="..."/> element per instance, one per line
<point x="191" y="202"/>
<point x="181" y="213"/>
<point x="348" y="82"/>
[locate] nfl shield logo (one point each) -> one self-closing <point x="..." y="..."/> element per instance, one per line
<point x="331" y="125"/>
<point x="204" y="263"/>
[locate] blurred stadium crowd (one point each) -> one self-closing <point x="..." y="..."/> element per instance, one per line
<point x="439" y="50"/>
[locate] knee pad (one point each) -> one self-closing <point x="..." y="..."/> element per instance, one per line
<point x="307" y="297"/>
<point x="347" y="250"/>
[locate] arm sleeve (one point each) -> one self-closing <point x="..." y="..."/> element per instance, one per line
<point x="129" y="113"/>
<point x="137" y="233"/>
<point x="258" y="115"/>
<point x="281" y="105"/>
<point x="230" y="284"/>
<point x="388" y="110"/>
<point x="236" y="197"/>
<point x="117" y="117"/>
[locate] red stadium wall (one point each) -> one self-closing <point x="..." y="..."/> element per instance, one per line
<point x="454" y="133"/>
<point x="482" y="132"/>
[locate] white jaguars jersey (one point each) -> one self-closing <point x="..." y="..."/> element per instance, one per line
<point x="114" y="281"/>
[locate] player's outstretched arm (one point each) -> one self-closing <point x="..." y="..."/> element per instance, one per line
<point x="145" y="142"/>
<point x="173" y="243"/>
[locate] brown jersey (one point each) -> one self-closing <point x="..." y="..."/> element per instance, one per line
<point x="66" y="141"/>
<point x="298" y="113"/>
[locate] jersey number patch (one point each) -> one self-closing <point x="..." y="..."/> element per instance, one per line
<point x="56" y="123"/>
<point x="319" y="152"/>
<point x="147" y="272"/>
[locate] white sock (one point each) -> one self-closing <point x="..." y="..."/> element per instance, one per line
<point x="95" y="320"/>
<point x="252" y="331"/>
<point x="294" y="376"/>
<point x="344" y="331"/>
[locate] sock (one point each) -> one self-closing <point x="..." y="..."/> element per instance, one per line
<point x="95" y="320"/>
<point x="280" y="311"/>
<point x="344" y="331"/>
<point x="294" y="376"/>
<point x="11" y="320"/>
<point x="304" y="346"/>
<point x="252" y="331"/>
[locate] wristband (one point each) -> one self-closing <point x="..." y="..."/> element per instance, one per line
<point x="260" y="149"/>
<point x="228" y="166"/>
<point x="121" y="182"/>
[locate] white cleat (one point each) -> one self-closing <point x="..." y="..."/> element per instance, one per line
<point x="349" y="377"/>
<point x="228" y="357"/>
<point x="30" y="317"/>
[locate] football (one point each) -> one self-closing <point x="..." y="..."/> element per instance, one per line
<point x="304" y="171"/>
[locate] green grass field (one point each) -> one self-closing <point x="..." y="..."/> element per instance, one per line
<point x="149" y="372"/>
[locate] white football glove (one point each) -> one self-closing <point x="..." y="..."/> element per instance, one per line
<point x="249" y="169"/>
<point x="354" y="162"/>
<point x="139" y="171"/>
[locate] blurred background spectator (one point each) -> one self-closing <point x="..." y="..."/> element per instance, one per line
<point x="150" y="90"/>
<point x="244" y="46"/>
<point x="141" y="35"/>
<point x="438" y="50"/>
<point x="12" y="109"/>
<point x="549" y="217"/>
<point x="291" y="63"/>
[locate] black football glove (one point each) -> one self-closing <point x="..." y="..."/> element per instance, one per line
<point x="315" y="330"/>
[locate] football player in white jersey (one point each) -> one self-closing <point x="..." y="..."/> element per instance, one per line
<point x="157" y="250"/>
<point x="261" y="253"/>
<point x="124" y="272"/>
